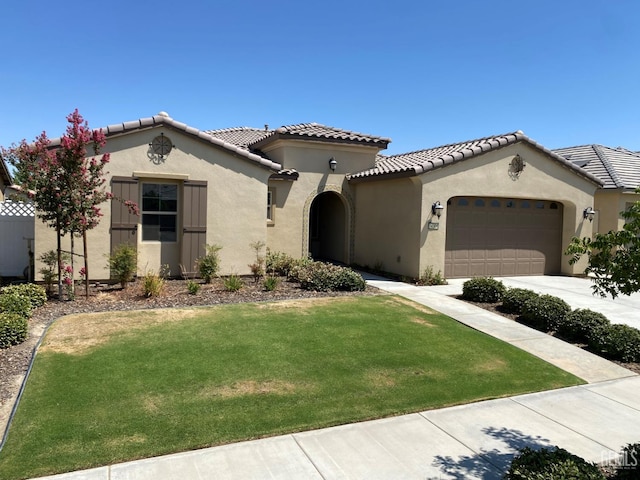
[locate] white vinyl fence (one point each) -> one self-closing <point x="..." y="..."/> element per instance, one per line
<point x="16" y="237"/>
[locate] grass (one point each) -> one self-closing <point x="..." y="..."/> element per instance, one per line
<point x="107" y="388"/>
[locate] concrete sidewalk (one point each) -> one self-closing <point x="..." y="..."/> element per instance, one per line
<point x="470" y="441"/>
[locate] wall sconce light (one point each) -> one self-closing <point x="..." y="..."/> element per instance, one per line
<point x="588" y="213"/>
<point x="437" y="209"/>
<point x="333" y="164"/>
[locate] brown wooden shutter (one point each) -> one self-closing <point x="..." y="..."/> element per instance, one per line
<point x="194" y="223"/>
<point x="124" y="224"/>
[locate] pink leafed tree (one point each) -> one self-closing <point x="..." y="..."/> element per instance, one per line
<point x="66" y="181"/>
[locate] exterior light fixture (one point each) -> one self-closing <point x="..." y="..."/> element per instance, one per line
<point x="437" y="209"/>
<point x="333" y="164"/>
<point x="588" y="213"/>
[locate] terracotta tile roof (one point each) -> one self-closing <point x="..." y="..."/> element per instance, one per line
<point x="421" y="161"/>
<point x="316" y="131"/>
<point x="616" y="167"/>
<point x="163" y="119"/>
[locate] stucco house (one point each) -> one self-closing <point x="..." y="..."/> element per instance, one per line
<point x="501" y="205"/>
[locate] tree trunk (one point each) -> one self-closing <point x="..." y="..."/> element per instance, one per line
<point x="72" y="287"/>
<point x="59" y="260"/>
<point x="86" y="263"/>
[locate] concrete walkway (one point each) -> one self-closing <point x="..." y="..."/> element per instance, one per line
<point x="475" y="441"/>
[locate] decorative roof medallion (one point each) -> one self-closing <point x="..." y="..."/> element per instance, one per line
<point x="516" y="167"/>
<point x="160" y="147"/>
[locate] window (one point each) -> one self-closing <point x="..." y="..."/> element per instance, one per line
<point x="525" y="204"/>
<point x="271" y="205"/>
<point x="495" y="203"/>
<point x="463" y="202"/>
<point x="479" y="202"/>
<point x="159" y="212"/>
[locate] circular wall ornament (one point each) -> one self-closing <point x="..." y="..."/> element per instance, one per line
<point x="161" y="145"/>
<point x="516" y="167"/>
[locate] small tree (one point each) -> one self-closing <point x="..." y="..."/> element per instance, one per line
<point x="65" y="182"/>
<point x="614" y="257"/>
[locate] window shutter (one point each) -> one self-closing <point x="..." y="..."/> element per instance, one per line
<point x="194" y="223"/>
<point x="124" y="224"/>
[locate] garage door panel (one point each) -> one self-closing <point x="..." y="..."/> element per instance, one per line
<point x="495" y="239"/>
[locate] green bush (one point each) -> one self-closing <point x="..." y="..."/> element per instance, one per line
<point x="298" y="268"/>
<point x="326" y="277"/>
<point x="429" y="277"/>
<point x="209" y="264"/>
<point x="551" y="464"/>
<point x="123" y="263"/>
<point x="13" y="329"/>
<point x="15" y="303"/>
<point x="278" y="263"/>
<point x="514" y="300"/>
<point x="545" y="312"/>
<point x="483" y="289"/>
<point x="233" y="283"/>
<point x="270" y="283"/>
<point x="630" y="463"/>
<point x="193" y="287"/>
<point x="577" y="325"/>
<point x="616" y="342"/>
<point x="36" y="294"/>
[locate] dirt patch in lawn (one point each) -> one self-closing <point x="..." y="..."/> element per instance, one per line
<point x="76" y="334"/>
<point x="250" y="387"/>
<point x="304" y="304"/>
<point x="412" y="304"/>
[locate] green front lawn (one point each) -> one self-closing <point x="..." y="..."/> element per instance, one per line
<point x="106" y="388"/>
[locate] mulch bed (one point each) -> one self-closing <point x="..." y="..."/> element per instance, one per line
<point x="495" y="308"/>
<point x="14" y="361"/>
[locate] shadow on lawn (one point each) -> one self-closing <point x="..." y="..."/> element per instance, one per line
<point x="490" y="464"/>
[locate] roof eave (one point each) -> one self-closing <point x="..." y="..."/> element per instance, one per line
<point x="380" y="144"/>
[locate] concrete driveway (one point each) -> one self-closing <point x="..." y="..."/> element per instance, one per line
<point x="576" y="292"/>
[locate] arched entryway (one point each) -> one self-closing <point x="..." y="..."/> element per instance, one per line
<point x="328" y="228"/>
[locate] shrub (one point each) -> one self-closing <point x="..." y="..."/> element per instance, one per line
<point x="428" y="277"/>
<point x="270" y="283"/>
<point x="483" y="289"/>
<point x="36" y="294"/>
<point x="298" y="267"/>
<point x="514" y="300"/>
<point x="209" y="264"/>
<point x="257" y="267"/>
<point x="325" y="277"/>
<point x="193" y="287"/>
<point x="123" y="263"/>
<point x="545" y="312"/>
<point x="13" y="329"/>
<point x="629" y="468"/>
<point x="15" y="303"/>
<point x="233" y="283"/>
<point x="616" y="342"/>
<point x="278" y="263"/>
<point x="577" y="325"/>
<point x="50" y="271"/>
<point x="153" y="283"/>
<point x="552" y="463"/>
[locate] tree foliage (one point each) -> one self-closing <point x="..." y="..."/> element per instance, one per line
<point x="65" y="179"/>
<point x="614" y="257"/>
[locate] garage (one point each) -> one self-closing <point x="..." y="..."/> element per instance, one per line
<point x="502" y="237"/>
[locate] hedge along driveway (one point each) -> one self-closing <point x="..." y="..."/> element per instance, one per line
<point x="112" y="387"/>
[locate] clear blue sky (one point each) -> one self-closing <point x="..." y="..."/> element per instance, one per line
<point x="421" y="72"/>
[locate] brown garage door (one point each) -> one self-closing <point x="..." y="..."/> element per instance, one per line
<point x="502" y="237"/>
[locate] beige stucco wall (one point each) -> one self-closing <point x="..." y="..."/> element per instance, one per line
<point x="387" y="233"/>
<point x="488" y="176"/>
<point x="608" y="205"/>
<point x="289" y="232"/>
<point x="236" y="200"/>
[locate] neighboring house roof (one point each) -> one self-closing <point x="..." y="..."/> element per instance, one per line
<point x="318" y="132"/>
<point x="5" y="176"/>
<point x="421" y="161"/>
<point x="163" y="119"/>
<point x="618" y="168"/>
